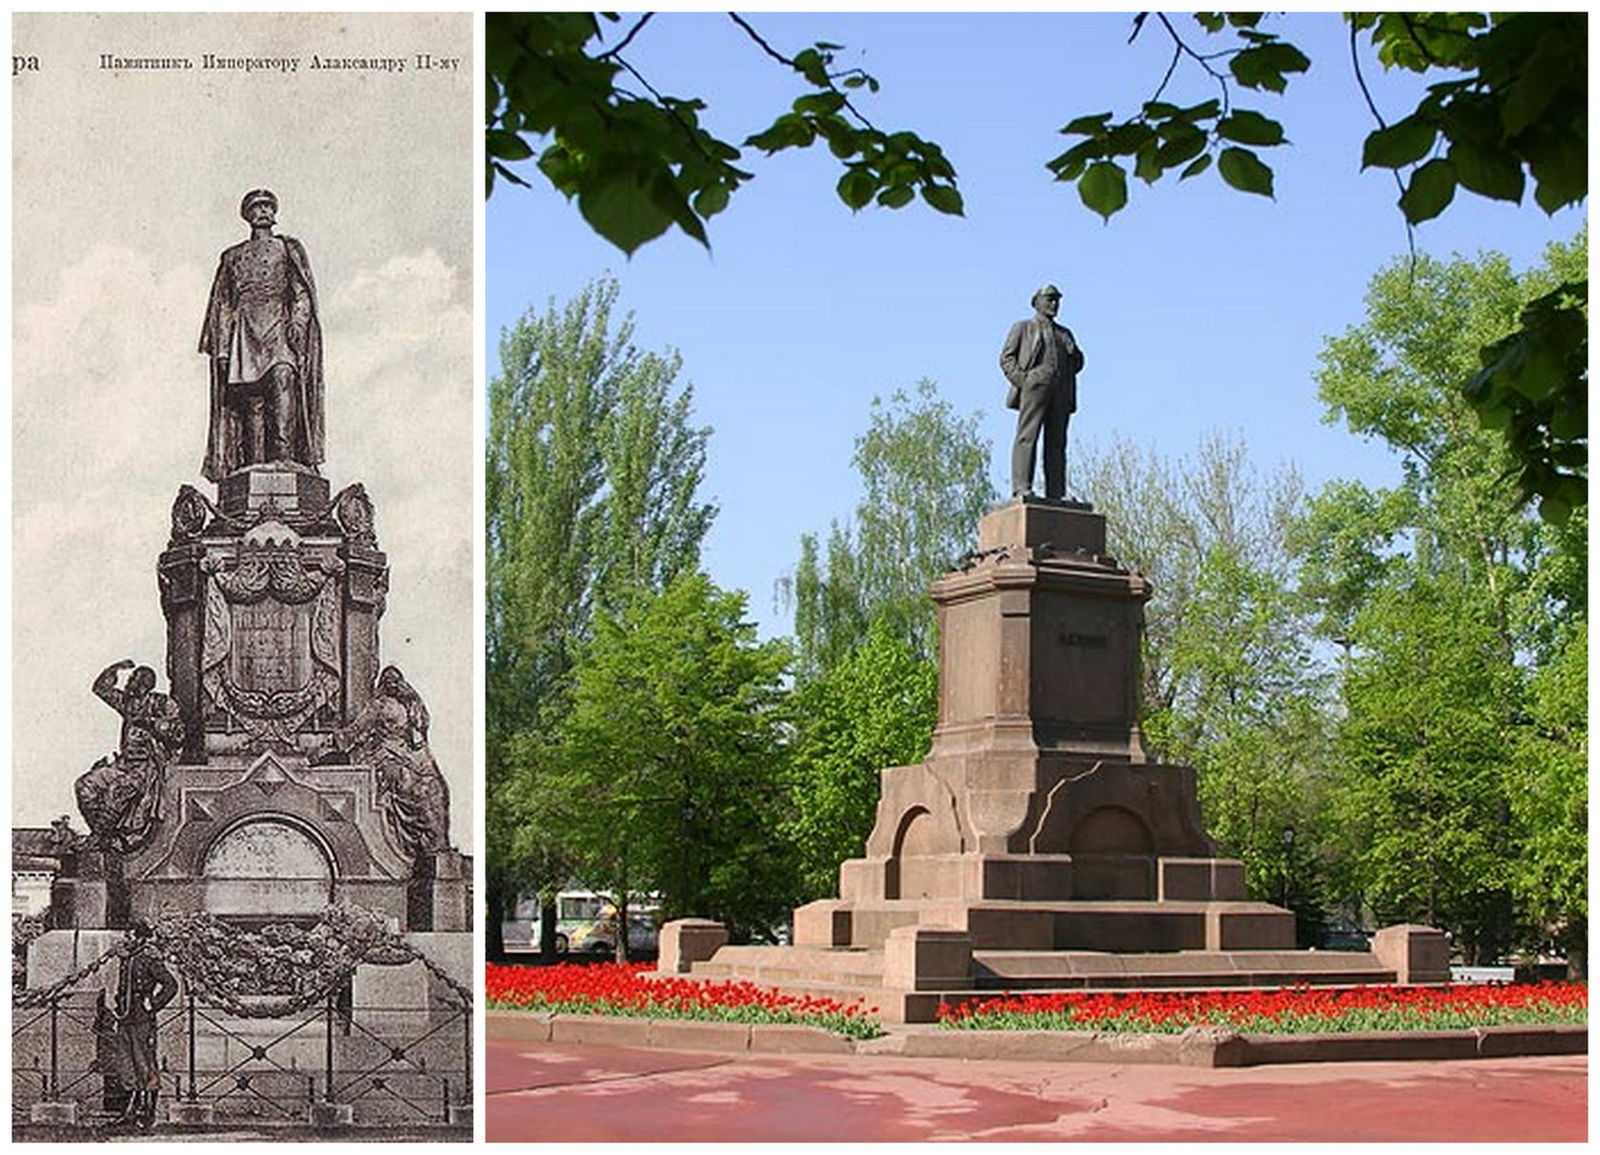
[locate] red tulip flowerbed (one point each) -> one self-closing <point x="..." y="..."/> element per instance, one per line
<point x="621" y="989"/>
<point x="1290" y="1011"/>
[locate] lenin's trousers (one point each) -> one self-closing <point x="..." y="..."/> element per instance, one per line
<point x="1044" y="408"/>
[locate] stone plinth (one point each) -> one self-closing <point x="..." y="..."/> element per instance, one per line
<point x="284" y="488"/>
<point x="1036" y="841"/>
<point x="686" y="941"/>
<point x="1039" y="642"/>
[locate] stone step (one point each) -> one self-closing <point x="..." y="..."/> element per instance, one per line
<point x="1121" y="925"/>
<point x="774" y="965"/>
<point x="1094" y="969"/>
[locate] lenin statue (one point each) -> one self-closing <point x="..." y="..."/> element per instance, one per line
<point x="1041" y="360"/>
<point x="264" y="342"/>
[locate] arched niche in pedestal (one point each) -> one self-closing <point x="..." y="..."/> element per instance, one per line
<point x="268" y="865"/>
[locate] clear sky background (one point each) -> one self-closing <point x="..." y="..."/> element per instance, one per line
<point x="126" y="187"/>
<point x="1199" y="308"/>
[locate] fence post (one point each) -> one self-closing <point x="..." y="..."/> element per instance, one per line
<point x="466" y="1053"/>
<point x="193" y="1094"/>
<point x="328" y="1065"/>
<point x="55" y="1081"/>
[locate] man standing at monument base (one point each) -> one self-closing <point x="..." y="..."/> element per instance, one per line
<point x="1042" y="360"/>
<point x="265" y="345"/>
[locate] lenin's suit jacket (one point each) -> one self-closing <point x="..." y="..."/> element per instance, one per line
<point x="1023" y="352"/>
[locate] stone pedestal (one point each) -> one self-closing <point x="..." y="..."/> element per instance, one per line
<point x="1036" y="847"/>
<point x="272" y="603"/>
<point x="1036" y="802"/>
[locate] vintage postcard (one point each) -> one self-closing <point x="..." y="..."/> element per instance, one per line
<point x="243" y="603"/>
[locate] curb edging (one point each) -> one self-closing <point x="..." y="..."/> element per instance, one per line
<point x="1203" y="1046"/>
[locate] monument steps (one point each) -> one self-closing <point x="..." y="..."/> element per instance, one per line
<point x="837" y="968"/>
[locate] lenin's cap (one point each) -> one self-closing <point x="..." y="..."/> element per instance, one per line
<point x="254" y="195"/>
<point x="1047" y="290"/>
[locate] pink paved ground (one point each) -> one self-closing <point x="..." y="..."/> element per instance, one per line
<point x="556" y="1092"/>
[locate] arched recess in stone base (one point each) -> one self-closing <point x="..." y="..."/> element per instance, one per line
<point x="1113" y="855"/>
<point x="268" y="865"/>
<point x="922" y="865"/>
<point x="200" y="812"/>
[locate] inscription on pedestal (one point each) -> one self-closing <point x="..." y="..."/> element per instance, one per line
<point x="271" y="646"/>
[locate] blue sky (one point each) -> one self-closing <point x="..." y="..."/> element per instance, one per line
<point x="1199" y="308"/>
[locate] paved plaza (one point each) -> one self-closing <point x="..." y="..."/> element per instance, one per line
<point x="562" y="1092"/>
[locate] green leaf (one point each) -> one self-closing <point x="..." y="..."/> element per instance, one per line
<point x="1210" y="21"/>
<point x="896" y="196"/>
<point x="1159" y="109"/>
<point x="1242" y="169"/>
<point x="1263" y="65"/>
<point x="943" y="197"/>
<point x="1205" y="110"/>
<point x="1070" y="164"/>
<point x="856" y="188"/>
<point x="1430" y="191"/>
<point x="1404" y="142"/>
<point x="1148" y="167"/>
<point x="1195" y="169"/>
<point x="819" y="103"/>
<point x="1489" y="172"/>
<point x="1104" y="188"/>
<point x="1247" y="127"/>
<point x="1182" y="147"/>
<point x="1087" y="125"/>
<point x="506" y="145"/>
<point x="711" y="200"/>
<point x="1127" y="139"/>
<point x="1554" y="510"/>
<point x="621" y="209"/>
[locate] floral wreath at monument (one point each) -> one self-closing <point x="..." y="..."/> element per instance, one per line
<point x="282" y="969"/>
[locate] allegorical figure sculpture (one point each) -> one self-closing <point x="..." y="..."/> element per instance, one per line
<point x="391" y="735"/>
<point x="1042" y="360"/>
<point x="264" y="342"/>
<point x="144" y="987"/>
<point x="120" y="795"/>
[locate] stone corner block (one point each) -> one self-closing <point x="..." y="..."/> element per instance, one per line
<point x="924" y="958"/>
<point x="324" y="1115"/>
<point x="686" y="941"/>
<point x="61" y="1114"/>
<point x="826" y="922"/>
<point x="1416" y="954"/>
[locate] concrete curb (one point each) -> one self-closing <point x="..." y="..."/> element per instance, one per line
<point x="1197" y="1047"/>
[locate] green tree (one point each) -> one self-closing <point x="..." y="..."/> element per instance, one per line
<point x="1231" y="683"/>
<point x="1451" y="604"/>
<point x="591" y="475"/>
<point x="1550" y="802"/>
<point x="665" y="772"/>
<point x="866" y="638"/>
<point x="874" y="708"/>
<point x="1423" y="802"/>
<point x="924" y="473"/>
